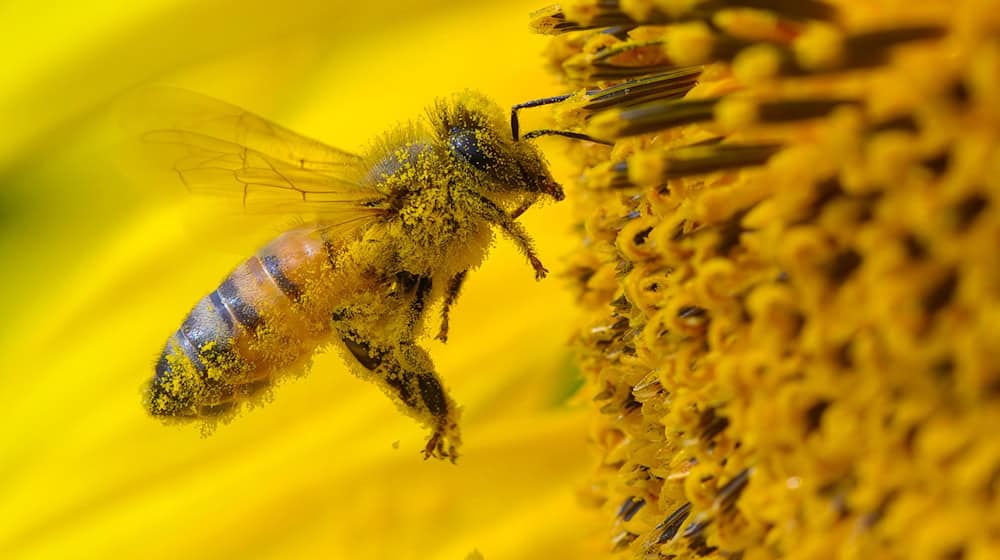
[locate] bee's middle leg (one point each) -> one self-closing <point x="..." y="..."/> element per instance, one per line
<point x="454" y="287"/>
<point x="406" y="373"/>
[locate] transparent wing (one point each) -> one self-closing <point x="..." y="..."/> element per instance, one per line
<point x="221" y="150"/>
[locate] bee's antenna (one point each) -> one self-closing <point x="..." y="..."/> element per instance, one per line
<point x="515" y="127"/>
<point x="564" y="133"/>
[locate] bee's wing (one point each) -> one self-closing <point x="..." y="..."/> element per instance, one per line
<point x="222" y="150"/>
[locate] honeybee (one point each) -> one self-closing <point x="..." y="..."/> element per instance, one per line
<point x="392" y="233"/>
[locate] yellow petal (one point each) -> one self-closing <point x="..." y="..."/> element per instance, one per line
<point x="100" y="271"/>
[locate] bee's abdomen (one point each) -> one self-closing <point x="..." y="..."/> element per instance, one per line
<point x="255" y="325"/>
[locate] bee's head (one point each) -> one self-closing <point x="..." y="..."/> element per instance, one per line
<point x="477" y="134"/>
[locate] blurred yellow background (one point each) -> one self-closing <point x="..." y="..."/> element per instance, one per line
<point x="99" y="270"/>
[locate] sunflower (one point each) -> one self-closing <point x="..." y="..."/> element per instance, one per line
<point x="788" y="257"/>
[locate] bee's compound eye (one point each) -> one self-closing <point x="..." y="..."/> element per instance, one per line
<point x="465" y="145"/>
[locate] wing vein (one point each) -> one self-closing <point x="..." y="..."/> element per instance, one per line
<point x="227" y="151"/>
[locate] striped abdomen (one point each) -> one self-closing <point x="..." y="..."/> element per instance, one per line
<point x="268" y="315"/>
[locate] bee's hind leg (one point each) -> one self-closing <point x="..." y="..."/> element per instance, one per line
<point x="417" y="288"/>
<point x="406" y="373"/>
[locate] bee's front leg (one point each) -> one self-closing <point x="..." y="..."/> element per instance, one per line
<point x="405" y="372"/>
<point x="514" y="230"/>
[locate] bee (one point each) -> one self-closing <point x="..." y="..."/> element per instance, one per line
<point x="391" y="233"/>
